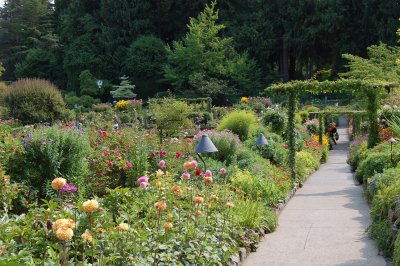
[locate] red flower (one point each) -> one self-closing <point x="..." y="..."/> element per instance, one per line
<point x="178" y="154"/>
<point x="110" y="164"/>
<point x="198" y="172"/>
<point x="163" y="153"/>
<point x="105" y="154"/>
<point x="153" y="154"/>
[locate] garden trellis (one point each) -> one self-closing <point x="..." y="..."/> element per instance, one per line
<point x="295" y="87"/>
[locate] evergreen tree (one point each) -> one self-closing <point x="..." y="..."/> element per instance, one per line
<point x="205" y="63"/>
<point x="124" y="90"/>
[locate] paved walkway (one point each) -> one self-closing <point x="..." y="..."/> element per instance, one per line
<point x="324" y="223"/>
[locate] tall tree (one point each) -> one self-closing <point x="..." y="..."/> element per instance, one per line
<point x="205" y="63"/>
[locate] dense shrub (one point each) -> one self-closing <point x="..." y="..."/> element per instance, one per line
<point x="304" y="116"/>
<point x="381" y="232"/>
<point x="49" y="153"/>
<point x="312" y="126"/>
<point x="306" y="163"/>
<point x="33" y="101"/>
<point x="256" y="188"/>
<point x="375" y="162"/>
<point x="171" y="115"/>
<point x="225" y="141"/>
<point x="276" y="152"/>
<point x="8" y="191"/>
<point x="275" y="119"/>
<point x="382" y="180"/>
<point x="239" y="122"/>
<point x="357" y="152"/>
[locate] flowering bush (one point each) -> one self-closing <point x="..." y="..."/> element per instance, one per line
<point x="118" y="157"/>
<point x="312" y="126"/>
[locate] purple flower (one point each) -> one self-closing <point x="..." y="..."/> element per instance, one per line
<point x="68" y="188"/>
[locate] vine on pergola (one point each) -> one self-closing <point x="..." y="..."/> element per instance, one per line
<point x="294" y="88"/>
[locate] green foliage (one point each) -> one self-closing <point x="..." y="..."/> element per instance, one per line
<point x="206" y="63"/>
<point x="375" y="162"/>
<point x="275" y="152"/>
<point x="50" y="153"/>
<point x="276" y="119"/>
<point x="171" y="115"/>
<point x="33" y="101"/>
<point x="239" y="122"/>
<point x="8" y="190"/>
<point x="256" y="188"/>
<point x="305" y="164"/>
<point x="124" y="90"/>
<point x="382" y="234"/>
<point x="249" y="214"/>
<point x="357" y="153"/>
<point x="396" y="252"/>
<point x="304" y="116"/>
<point x="380" y="65"/>
<point x="88" y="84"/>
<point x="226" y="142"/>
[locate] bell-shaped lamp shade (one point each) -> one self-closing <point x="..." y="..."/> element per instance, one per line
<point x="298" y="136"/>
<point x="261" y="140"/>
<point x="392" y="140"/>
<point x="205" y="145"/>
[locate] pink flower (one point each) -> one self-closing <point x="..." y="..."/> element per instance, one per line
<point x="162" y="164"/>
<point x="222" y="171"/>
<point x="143" y="179"/>
<point x="103" y="133"/>
<point x="177" y="154"/>
<point x="163" y="153"/>
<point x="194" y="164"/>
<point x="105" y="154"/>
<point x="208" y="173"/>
<point x="128" y="165"/>
<point x="110" y="164"/>
<point x="153" y="154"/>
<point x="185" y="176"/>
<point x="144" y="185"/>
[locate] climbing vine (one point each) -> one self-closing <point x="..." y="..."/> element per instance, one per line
<point x="291" y="132"/>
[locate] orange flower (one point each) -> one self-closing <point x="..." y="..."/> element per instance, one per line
<point x="58" y="183"/>
<point x="177" y="190"/>
<point x="64" y="233"/>
<point x="229" y="205"/>
<point x="90" y="206"/>
<point x="69" y="223"/>
<point x="198" y="213"/>
<point x="169" y="215"/>
<point x="123" y="227"/>
<point x="88" y="237"/>
<point x="207" y="180"/>
<point x="168" y="225"/>
<point x="160" y="206"/>
<point x="198" y="200"/>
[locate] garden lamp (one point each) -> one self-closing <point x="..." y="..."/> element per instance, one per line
<point x="391" y="140"/>
<point x="205" y="146"/>
<point x="261" y="140"/>
<point x="298" y="136"/>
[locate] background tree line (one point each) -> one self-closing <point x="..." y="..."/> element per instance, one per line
<point x="237" y="51"/>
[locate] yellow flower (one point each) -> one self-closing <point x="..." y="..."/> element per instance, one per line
<point x="123" y="227"/>
<point x="64" y="233"/>
<point x="159" y="173"/>
<point x="69" y="223"/>
<point x="198" y="213"/>
<point x="90" y="206"/>
<point x="58" y="183"/>
<point x="214" y="197"/>
<point x="88" y="237"/>
<point x="169" y="215"/>
<point x="101" y="230"/>
<point x="168" y="225"/>
<point x="158" y="184"/>
<point x="244" y="100"/>
<point x="121" y="105"/>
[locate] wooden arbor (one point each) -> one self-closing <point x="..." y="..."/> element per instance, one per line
<point x="294" y="88"/>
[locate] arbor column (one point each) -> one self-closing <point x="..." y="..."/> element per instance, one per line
<point x="372" y="113"/>
<point x="321" y="128"/>
<point x="291" y="132"/>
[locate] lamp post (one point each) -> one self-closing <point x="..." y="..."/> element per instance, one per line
<point x="261" y="140"/>
<point x="99" y="83"/>
<point x="391" y="140"/>
<point x="205" y="146"/>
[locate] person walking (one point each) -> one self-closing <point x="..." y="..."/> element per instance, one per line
<point x="333" y="132"/>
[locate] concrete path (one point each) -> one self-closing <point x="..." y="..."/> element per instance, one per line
<point x="325" y="222"/>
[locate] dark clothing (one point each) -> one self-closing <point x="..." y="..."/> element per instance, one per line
<point x="332" y="134"/>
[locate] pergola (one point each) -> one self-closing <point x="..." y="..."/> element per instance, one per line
<point x="294" y="88"/>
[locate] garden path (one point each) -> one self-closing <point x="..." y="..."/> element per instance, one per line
<point x="325" y="222"/>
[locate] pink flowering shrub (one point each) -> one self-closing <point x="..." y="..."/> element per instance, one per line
<point x="118" y="158"/>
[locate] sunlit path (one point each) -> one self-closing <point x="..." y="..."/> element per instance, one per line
<point x="325" y="223"/>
